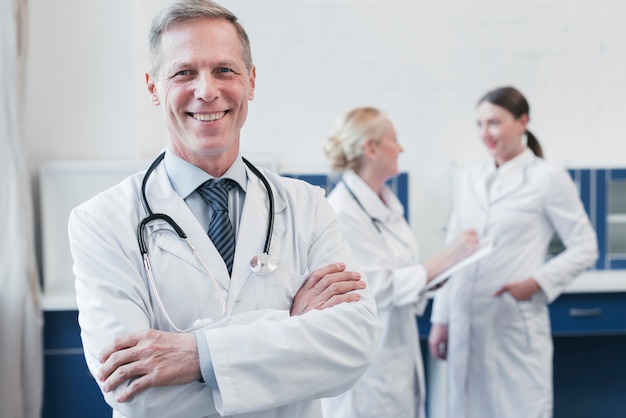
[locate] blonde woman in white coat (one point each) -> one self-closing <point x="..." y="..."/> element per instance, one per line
<point x="364" y="146"/>
<point x="491" y="321"/>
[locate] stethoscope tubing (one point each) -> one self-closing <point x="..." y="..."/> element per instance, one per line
<point x="151" y="216"/>
<point x="270" y="196"/>
<point x="375" y="221"/>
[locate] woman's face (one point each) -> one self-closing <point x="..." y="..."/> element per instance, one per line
<point x="386" y="150"/>
<point x="500" y="131"/>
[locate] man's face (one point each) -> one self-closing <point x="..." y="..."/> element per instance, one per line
<point x="204" y="88"/>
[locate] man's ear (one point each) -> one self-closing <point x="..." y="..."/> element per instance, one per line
<point x="252" y="82"/>
<point x="150" y="83"/>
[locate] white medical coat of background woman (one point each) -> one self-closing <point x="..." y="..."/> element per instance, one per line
<point x="393" y="386"/>
<point x="500" y="349"/>
<point x="264" y="360"/>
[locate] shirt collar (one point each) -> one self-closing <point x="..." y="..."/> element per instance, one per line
<point x="186" y="177"/>
<point x="514" y="165"/>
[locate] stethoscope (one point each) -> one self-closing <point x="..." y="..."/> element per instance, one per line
<point x="262" y="264"/>
<point x="378" y="224"/>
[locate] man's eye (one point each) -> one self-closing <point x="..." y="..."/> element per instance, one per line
<point x="181" y="73"/>
<point x="224" y="70"/>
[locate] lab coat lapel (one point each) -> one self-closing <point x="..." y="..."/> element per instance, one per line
<point x="372" y="204"/>
<point x="512" y="182"/>
<point x="252" y="232"/>
<point x="163" y="199"/>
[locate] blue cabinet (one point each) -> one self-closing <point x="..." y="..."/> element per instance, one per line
<point x="603" y="193"/>
<point x="69" y="389"/>
<point x="589" y="376"/>
<point x="589" y="343"/>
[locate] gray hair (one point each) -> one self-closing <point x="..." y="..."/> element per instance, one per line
<point x="186" y="10"/>
<point x="344" y="147"/>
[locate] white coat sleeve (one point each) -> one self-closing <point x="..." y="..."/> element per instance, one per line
<point x="570" y="221"/>
<point x="114" y="300"/>
<point x="268" y="364"/>
<point x="391" y="286"/>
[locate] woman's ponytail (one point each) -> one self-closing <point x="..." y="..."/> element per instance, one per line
<point x="533" y="143"/>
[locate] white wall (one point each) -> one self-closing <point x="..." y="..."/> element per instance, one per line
<point x="425" y="63"/>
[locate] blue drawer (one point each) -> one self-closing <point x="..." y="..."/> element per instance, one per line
<point x="69" y="389"/>
<point x="589" y="314"/>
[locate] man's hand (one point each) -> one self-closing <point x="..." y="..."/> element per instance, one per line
<point x="149" y="359"/>
<point x="327" y="286"/>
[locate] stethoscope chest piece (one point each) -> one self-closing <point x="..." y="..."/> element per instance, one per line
<point x="264" y="264"/>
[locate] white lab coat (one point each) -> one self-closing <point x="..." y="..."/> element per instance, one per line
<point x="267" y="364"/>
<point x="393" y="386"/>
<point x="500" y="349"/>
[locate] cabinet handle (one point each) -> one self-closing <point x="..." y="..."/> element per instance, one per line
<point x="579" y="312"/>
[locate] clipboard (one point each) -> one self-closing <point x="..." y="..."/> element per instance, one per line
<point x="484" y="248"/>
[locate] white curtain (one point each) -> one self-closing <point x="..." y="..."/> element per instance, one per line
<point x="21" y="358"/>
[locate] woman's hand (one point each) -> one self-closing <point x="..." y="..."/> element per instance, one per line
<point x="463" y="245"/>
<point x="438" y="341"/>
<point x="521" y="290"/>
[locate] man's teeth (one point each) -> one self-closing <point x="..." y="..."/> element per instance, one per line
<point x="208" y="117"/>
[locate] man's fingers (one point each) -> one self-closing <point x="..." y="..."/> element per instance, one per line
<point x="120" y="343"/>
<point x="341" y="289"/>
<point x="337" y="299"/>
<point x="133" y="388"/>
<point x="321" y="273"/>
<point x="343" y="286"/>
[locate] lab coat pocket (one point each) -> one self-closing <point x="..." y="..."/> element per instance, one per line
<point x="511" y="324"/>
<point x="278" y="289"/>
<point x="537" y="320"/>
<point x="388" y="385"/>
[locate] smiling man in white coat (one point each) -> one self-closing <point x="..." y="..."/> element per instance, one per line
<point x="170" y="329"/>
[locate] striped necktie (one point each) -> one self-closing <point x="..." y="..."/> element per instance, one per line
<point x="215" y="194"/>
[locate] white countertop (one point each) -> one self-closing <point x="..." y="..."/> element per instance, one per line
<point x="65" y="301"/>
<point x="593" y="281"/>
<point x="599" y="281"/>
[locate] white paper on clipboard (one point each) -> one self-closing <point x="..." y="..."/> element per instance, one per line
<point x="484" y="248"/>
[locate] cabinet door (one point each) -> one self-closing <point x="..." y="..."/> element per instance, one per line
<point x="589" y="377"/>
<point x="69" y="389"/>
<point x="615" y="219"/>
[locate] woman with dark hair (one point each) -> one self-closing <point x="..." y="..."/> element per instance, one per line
<point x="491" y="320"/>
